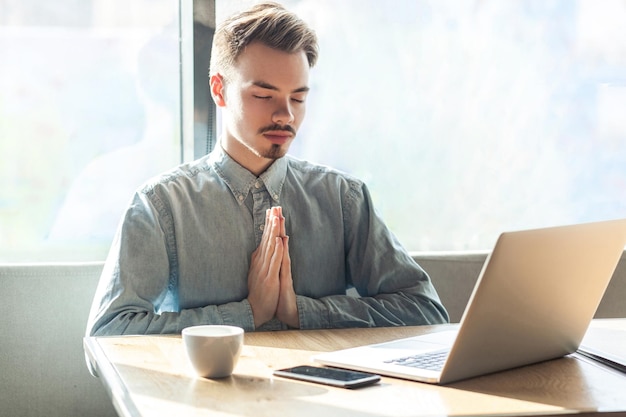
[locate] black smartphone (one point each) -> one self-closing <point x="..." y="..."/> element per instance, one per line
<point x="329" y="376"/>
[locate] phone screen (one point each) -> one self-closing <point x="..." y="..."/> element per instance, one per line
<point x="329" y="376"/>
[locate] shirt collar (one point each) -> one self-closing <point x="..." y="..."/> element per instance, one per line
<point x="240" y="180"/>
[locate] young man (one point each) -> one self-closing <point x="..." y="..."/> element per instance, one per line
<point x="249" y="236"/>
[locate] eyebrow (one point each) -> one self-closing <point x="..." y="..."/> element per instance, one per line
<point x="263" y="84"/>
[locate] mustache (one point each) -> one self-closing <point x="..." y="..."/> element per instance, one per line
<point x="276" y="127"/>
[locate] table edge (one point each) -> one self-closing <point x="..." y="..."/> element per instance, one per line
<point x="105" y="371"/>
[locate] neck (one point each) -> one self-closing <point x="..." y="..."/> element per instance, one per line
<point x="246" y="157"/>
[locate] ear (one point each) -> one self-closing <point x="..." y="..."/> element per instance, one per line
<point x="216" y="83"/>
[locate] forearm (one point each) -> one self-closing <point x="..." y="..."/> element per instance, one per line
<point x="133" y="320"/>
<point x="398" y="309"/>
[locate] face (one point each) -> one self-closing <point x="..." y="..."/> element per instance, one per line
<point x="263" y="103"/>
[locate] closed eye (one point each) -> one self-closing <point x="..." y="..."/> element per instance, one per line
<point x="262" y="97"/>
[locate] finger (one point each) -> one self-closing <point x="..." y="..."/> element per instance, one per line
<point x="276" y="259"/>
<point x="276" y="226"/>
<point x="283" y="230"/>
<point x="285" y="269"/>
<point x="265" y="238"/>
<point x="286" y="259"/>
<point x="269" y="248"/>
<point x="279" y="213"/>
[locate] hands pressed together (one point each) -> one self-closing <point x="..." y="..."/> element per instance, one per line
<point x="270" y="286"/>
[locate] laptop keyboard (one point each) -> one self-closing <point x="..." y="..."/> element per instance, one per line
<point x="431" y="360"/>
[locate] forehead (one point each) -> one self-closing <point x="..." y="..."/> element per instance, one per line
<point x="260" y="63"/>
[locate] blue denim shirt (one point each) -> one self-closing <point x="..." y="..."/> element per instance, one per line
<point x="182" y="252"/>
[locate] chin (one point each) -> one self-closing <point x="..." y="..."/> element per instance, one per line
<point x="275" y="152"/>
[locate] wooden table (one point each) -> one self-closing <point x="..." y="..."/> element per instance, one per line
<point x="150" y="376"/>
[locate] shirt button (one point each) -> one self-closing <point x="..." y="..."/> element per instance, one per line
<point x="276" y="197"/>
<point x="261" y="227"/>
<point x="257" y="184"/>
<point x="240" y="198"/>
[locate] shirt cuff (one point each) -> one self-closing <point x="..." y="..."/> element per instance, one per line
<point x="238" y="314"/>
<point x="313" y="314"/>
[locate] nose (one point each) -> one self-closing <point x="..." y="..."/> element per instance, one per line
<point x="283" y="114"/>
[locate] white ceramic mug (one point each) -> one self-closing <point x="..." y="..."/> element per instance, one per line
<point x="213" y="350"/>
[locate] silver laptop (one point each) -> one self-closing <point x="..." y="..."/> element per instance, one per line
<point x="533" y="301"/>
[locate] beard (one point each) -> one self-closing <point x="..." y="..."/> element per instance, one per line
<point x="274" y="152"/>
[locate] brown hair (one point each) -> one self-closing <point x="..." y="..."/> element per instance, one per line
<point x="269" y="23"/>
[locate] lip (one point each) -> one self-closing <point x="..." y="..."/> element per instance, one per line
<point x="278" y="137"/>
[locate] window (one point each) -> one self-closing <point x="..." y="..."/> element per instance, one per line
<point x="89" y="110"/>
<point x="467" y="118"/>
